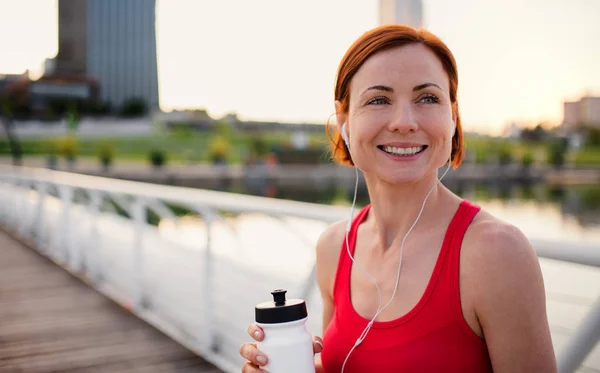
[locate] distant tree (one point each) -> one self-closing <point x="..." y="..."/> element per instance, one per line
<point x="557" y="151"/>
<point x="96" y="108"/>
<point x="527" y="159"/>
<point x="58" y="106"/>
<point x="6" y="113"/>
<point x="106" y="154"/>
<point x="259" y="146"/>
<point x="73" y="117"/>
<point x="157" y="158"/>
<point x="505" y="156"/>
<point x="535" y="135"/>
<point x="133" y="107"/>
<point x="223" y="129"/>
<point x="593" y="137"/>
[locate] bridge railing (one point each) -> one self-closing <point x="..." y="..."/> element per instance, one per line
<point x="198" y="282"/>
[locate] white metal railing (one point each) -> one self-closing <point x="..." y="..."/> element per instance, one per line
<point x="189" y="291"/>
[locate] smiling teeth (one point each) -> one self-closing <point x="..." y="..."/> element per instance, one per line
<point x="402" y="151"/>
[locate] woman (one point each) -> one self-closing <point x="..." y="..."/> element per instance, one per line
<point x="464" y="290"/>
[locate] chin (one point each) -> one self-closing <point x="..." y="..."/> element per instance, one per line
<point x="402" y="177"/>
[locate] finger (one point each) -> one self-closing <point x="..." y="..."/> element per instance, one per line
<point x="251" y="368"/>
<point x="251" y="353"/>
<point x="317" y="345"/>
<point x="256" y="332"/>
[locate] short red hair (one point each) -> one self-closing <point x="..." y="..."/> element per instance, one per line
<point x="380" y="39"/>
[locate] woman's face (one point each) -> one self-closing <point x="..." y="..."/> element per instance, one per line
<point x="400" y="119"/>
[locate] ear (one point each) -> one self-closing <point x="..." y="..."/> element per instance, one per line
<point x="340" y="116"/>
<point x="454" y="118"/>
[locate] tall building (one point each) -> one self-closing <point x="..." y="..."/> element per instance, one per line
<point x="72" y="34"/>
<point x="113" y="41"/>
<point x="584" y="112"/>
<point x="404" y="12"/>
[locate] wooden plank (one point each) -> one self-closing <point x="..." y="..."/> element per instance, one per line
<point x="51" y="321"/>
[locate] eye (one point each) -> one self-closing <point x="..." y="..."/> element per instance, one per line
<point x="381" y="100"/>
<point x="429" y="99"/>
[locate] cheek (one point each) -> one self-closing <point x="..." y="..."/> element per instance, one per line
<point x="367" y="124"/>
<point x="440" y="129"/>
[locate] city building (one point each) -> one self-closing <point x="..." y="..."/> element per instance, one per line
<point x="40" y="97"/>
<point x="585" y="112"/>
<point x="404" y="12"/>
<point x="113" y="42"/>
<point x="72" y="38"/>
<point x="7" y="80"/>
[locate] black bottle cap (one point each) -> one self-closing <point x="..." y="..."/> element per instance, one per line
<point x="280" y="310"/>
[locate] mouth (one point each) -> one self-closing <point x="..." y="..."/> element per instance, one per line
<point x="402" y="151"/>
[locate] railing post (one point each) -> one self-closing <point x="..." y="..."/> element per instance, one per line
<point x="14" y="214"/>
<point x="139" y="221"/>
<point x="208" y="288"/>
<point x="93" y="261"/>
<point x="39" y="220"/>
<point x="581" y="342"/>
<point x="67" y="251"/>
<point x="21" y="222"/>
<point x="208" y="216"/>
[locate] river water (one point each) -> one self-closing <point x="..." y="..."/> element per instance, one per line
<point x="565" y="213"/>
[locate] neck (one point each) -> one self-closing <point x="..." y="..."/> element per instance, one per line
<point x="396" y="207"/>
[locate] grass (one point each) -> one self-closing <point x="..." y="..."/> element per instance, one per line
<point x="188" y="146"/>
<point x="179" y="147"/>
<point x="587" y="157"/>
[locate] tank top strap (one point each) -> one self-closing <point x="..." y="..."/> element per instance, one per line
<point x="467" y="213"/>
<point x="344" y="267"/>
<point x="464" y="217"/>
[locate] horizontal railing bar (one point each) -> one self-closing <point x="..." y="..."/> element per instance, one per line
<point x="579" y="253"/>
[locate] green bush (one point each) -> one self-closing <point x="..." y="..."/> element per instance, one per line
<point x="218" y="149"/>
<point x="106" y="154"/>
<point x="556" y="153"/>
<point x="68" y="147"/>
<point x="133" y="107"/>
<point x="527" y="159"/>
<point x="158" y="158"/>
<point x="258" y="146"/>
<point x="505" y="156"/>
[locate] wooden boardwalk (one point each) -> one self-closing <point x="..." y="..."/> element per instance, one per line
<point x="51" y="321"/>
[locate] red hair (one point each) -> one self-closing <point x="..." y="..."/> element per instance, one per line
<point x="380" y="39"/>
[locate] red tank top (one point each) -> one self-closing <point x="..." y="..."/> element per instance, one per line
<point x="432" y="337"/>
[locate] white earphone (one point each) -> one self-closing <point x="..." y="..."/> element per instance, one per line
<point x="345" y="136"/>
<point x="363" y="335"/>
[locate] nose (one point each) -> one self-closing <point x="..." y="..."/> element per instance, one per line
<point x="403" y="119"/>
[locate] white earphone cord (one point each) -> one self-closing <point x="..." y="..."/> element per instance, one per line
<point x="363" y="335"/>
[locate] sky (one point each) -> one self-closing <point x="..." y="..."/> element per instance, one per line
<point x="276" y="60"/>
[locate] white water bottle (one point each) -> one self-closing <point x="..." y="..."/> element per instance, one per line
<point x="287" y="343"/>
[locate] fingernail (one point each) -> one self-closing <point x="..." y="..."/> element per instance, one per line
<point x="261" y="359"/>
<point x="319" y="343"/>
<point x="256" y="334"/>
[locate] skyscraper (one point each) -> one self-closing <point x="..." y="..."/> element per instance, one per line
<point x="113" y="41"/>
<point x="72" y="34"/>
<point x="404" y="12"/>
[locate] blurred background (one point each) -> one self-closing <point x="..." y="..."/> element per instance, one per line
<point x="234" y="96"/>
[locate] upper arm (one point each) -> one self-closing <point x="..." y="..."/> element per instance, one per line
<point x="328" y="252"/>
<point x="510" y="301"/>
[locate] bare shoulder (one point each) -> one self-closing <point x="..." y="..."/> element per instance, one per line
<point x="505" y="288"/>
<point x="328" y="249"/>
<point x="494" y="245"/>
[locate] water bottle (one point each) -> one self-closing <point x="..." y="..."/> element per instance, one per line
<point x="287" y="343"/>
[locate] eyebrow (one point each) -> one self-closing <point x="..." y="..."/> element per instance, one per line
<point x="379" y="88"/>
<point x="426" y="85"/>
<point x="390" y="89"/>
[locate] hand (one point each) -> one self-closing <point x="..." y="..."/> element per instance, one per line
<point x="256" y="358"/>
